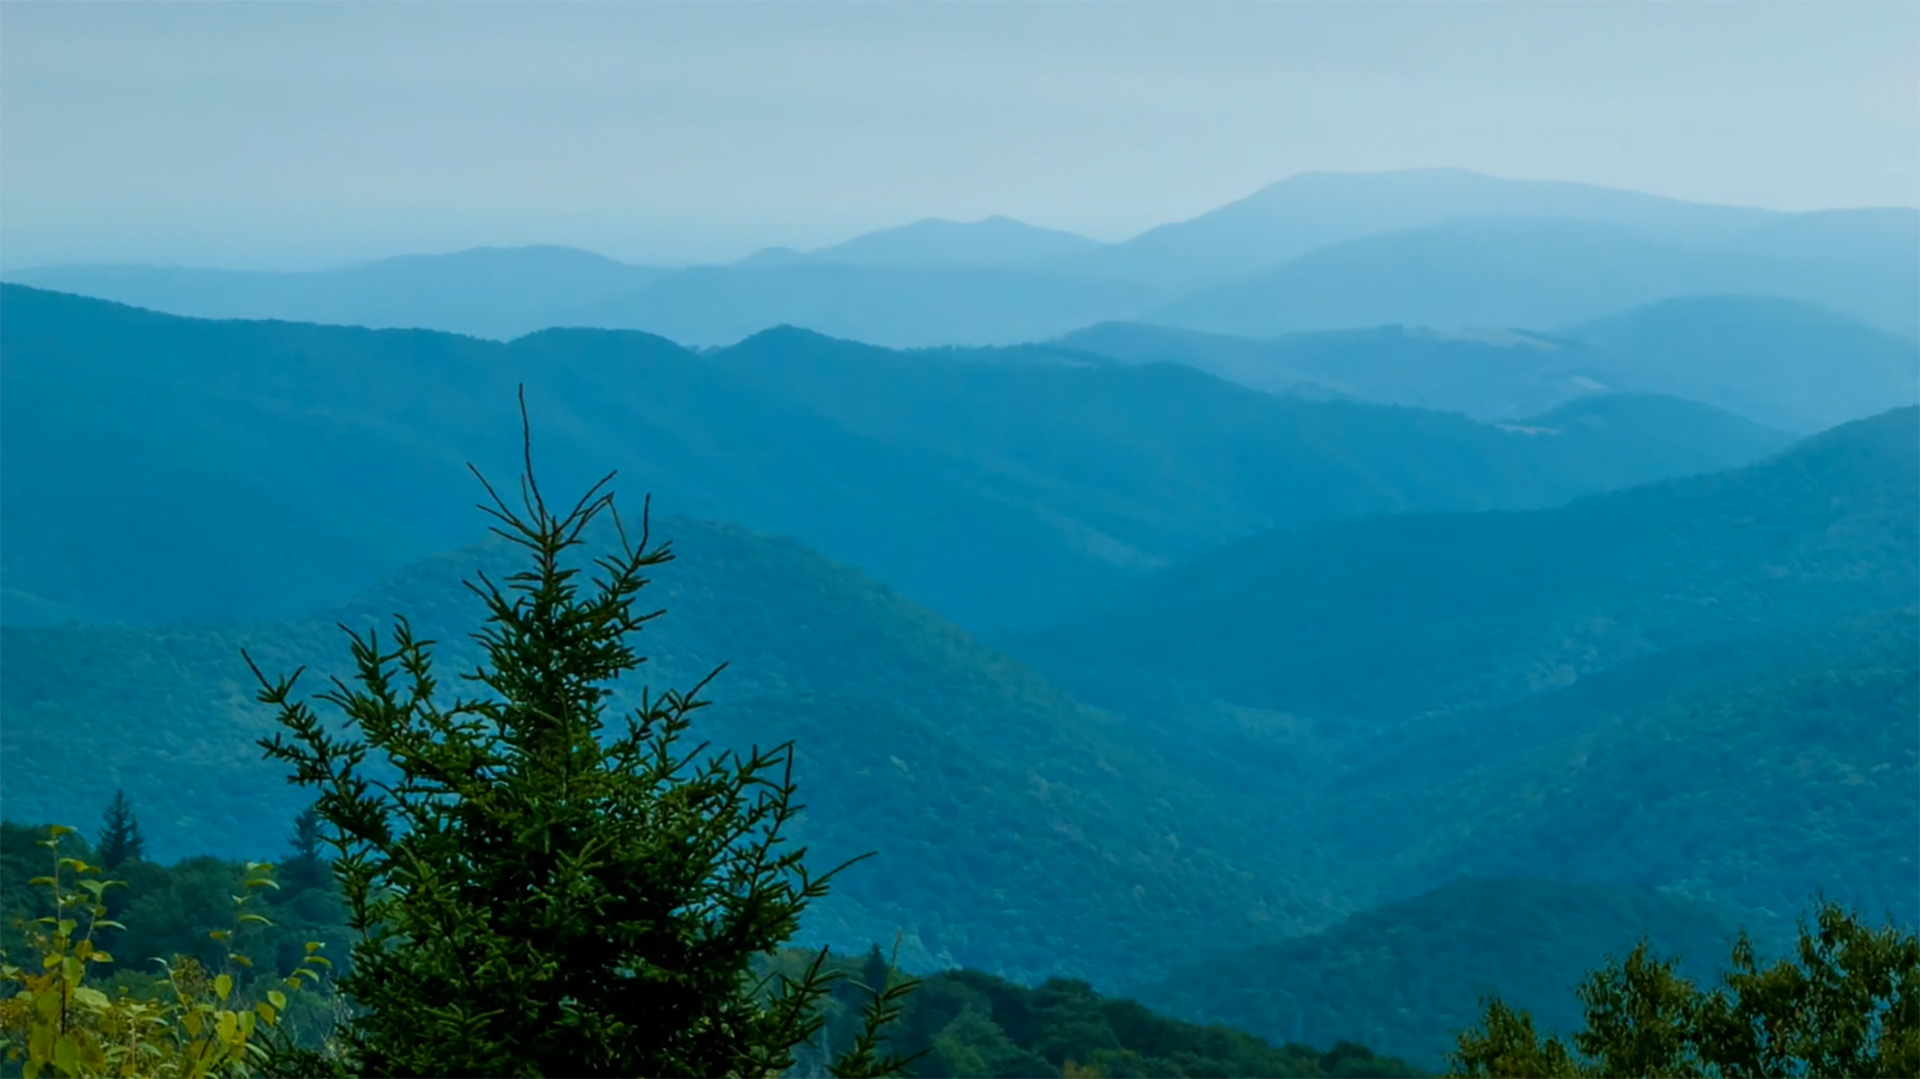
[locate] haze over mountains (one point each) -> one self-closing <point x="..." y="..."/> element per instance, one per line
<point x="1439" y="247"/>
<point x="1310" y="616"/>
<point x="276" y="467"/>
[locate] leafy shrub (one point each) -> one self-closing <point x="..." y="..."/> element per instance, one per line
<point x="1846" y="1004"/>
<point x="192" y="1021"/>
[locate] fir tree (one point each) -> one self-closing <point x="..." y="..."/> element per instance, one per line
<point x="544" y="890"/>
<point x="120" y="839"/>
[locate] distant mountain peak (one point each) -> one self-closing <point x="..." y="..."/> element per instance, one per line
<point x="994" y="241"/>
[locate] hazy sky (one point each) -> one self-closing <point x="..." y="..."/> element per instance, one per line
<point x="278" y="134"/>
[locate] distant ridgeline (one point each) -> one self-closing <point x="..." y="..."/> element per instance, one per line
<point x="1317" y="251"/>
<point x="272" y="469"/>
<point x="1317" y="717"/>
<point x="1784" y="363"/>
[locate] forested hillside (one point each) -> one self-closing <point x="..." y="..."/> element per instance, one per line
<point x="1008" y="818"/>
<point x="1370" y="622"/>
<point x="1752" y="773"/>
<point x="1407" y="976"/>
<point x="275" y="468"/>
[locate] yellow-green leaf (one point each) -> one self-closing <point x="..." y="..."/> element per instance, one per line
<point x="90" y="997"/>
<point x="277" y="998"/>
<point x="58" y="830"/>
<point x="223" y="986"/>
<point x="266" y="1011"/>
<point x="228" y="1027"/>
<point x="66" y="1054"/>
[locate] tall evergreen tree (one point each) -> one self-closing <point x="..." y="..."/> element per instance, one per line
<point x="120" y="839"/>
<point x="542" y="890"/>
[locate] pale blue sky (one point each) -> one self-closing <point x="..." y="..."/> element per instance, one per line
<point x="274" y="134"/>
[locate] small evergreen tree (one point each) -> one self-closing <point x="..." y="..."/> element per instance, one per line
<point x="542" y="890"/>
<point x="874" y="972"/>
<point x="308" y="867"/>
<point x="120" y="839"/>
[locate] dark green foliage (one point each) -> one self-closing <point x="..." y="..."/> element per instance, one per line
<point x="169" y="909"/>
<point x="968" y="1023"/>
<point x="120" y="838"/>
<point x="543" y="889"/>
<point x="957" y="1022"/>
<point x="1845" y="1003"/>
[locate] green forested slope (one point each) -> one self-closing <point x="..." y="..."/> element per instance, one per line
<point x="1117" y="447"/>
<point x="1406" y="977"/>
<point x="1017" y="831"/>
<point x="1370" y="622"/>
<point x="1757" y="773"/>
<point x="1706" y="684"/>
